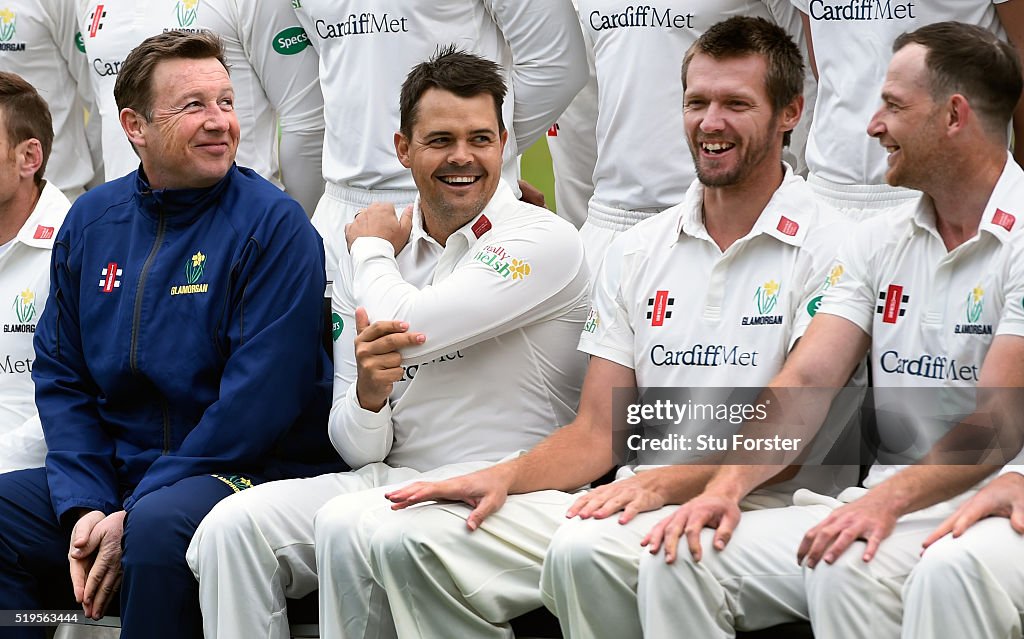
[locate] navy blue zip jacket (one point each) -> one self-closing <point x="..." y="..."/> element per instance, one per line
<point x="181" y="338"/>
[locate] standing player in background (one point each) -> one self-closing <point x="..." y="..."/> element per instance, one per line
<point x="637" y="50"/>
<point x="366" y="49"/>
<point x="850" y="46"/>
<point x="40" y="41"/>
<point x="274" y="75"/>
<point x="31" y="212"/>
<point x="572" y="141"/>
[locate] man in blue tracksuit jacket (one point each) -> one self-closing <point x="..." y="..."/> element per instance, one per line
<point x="178" y="360"/>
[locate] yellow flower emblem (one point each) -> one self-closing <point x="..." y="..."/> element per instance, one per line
<point x="520" y="269"/>
<point x="837" y="272"/>
<point x="7" y="16"/>
<point x="978" y="293"/>
<point x="27" y="297"/>
<point x="771" y="288"/>
<point x="190" y="4"/>
<point x="198" y="259"/>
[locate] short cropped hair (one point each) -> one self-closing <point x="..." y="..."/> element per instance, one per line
<point x="456" y="71"/>
<point x="26" y="116"/>
<point x="133" y="88"/>
<point x="741" y="36"/>
<point x="969" y="60"/>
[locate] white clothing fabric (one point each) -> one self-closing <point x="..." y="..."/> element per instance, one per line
<point x="931" y="313"/>
<point x="894" y="279"/>
<point x="852" y="44"/>
<point x="790" y="245"/>
<point x="533" y="40"/>
<point x="40" y="41"/>
<point x="495" y="328"/>
<point x="968" y="587"/>
<point x="486" y="303"/>
<point x="274" y="78"/>
<point x="861" y="201"/>
<point x="24" y="287"/>
<point x="638" y="51"/>
<point x="338" y="207"/>
<point x="756" y="582"/>
<point x="739" y="317"/>
<point x="572" y="142"/>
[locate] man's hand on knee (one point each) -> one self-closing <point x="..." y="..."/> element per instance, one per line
<point x="95" y="560"/>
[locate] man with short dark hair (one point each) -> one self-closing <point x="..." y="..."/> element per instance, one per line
<point x="475" y="298"/>
<point x="748" y="243"/>
<point x="935" y="292"/>
<point x="178" y="360"/>
<point x="31" y="211"/>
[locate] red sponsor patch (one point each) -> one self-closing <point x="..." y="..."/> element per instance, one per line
<point x="787" y="226"/>
<point x="658" y="312"/>
<point x="893" y="299"/>
<point x="109" y="275"/>
<point x="553" y="131"/>
<point x="482" y="226"/>
<point x="97" y="20"/>
<point x="43" y="232"/>
<point x="1004" y="219"/>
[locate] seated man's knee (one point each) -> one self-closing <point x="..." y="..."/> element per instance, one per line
<point x="418" y="531"/>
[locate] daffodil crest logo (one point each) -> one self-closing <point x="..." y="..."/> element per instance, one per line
<point x="767" y="296"/>
<point x="25" y="306"/>
<point x="194" y="267"/>
<point x="833" y="277"/>
<point x="186" y="11"/>
<point x="520" y="269"/>
<point x="7" y="25"/>
<point x="975" y="303"/>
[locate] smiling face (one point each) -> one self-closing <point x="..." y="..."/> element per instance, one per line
<point x="454" y="153"/>
<point x="909" y="122"/>
<point x="731" y="128"/>
<point x="191" y="138"/>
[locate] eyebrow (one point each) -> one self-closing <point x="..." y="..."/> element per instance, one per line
<point x="473" y="132"/>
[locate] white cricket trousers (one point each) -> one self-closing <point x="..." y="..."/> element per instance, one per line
<point x="441" y="579"/>
<point x="972" y="586"/>
<point x="860" y="202"/>
<point x="336" y="208"/>
<point x="255" y="548"/>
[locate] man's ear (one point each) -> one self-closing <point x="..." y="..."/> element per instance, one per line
<point x="958" y="112"/>
<point x="131" y="122"/>
<point x="790" y="115"/>
<point x="29" y="156"/>
<point x="402" y="149"/>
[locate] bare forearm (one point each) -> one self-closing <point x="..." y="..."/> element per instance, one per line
<point x="570" y="457"/>
<point x="922" y="486"/>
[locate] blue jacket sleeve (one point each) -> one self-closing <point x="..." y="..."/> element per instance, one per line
<point x="271" y="370"/>
<point x="79" y="464"/>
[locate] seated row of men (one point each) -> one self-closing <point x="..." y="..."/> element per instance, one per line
<point x="178" y="372"/>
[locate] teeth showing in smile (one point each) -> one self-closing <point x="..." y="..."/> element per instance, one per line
<point x="716" y="147"/>
<point x="458" y="179"/>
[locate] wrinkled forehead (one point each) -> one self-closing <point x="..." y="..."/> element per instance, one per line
<point x="176" y="77"/>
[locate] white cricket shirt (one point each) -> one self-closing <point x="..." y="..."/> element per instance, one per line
<point x="501" y="305"/>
